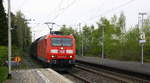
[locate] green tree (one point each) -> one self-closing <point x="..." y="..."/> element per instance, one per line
<point x="118" y="43"/>
<point x="147" y="38"/>
<point x="23" y="31"/>
<point x="67" y="30"/>
<point x="3" y="25"/>
<point x="132" y="47"/>
<point x="122" y="23"/>
<point x="120" y="31"/>
<point x="21" y="35"/>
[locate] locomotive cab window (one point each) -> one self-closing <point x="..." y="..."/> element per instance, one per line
<point x="61" y="41"/>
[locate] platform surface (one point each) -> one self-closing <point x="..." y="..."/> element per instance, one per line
<point x="37" y="76"/>
<point x="125" y="65"/>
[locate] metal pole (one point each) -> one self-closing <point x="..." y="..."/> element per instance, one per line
<point x="142" y="54"/>
<point x="142" y="45"/>
<point x="82" y="43"/>
<point x="80" y="46"/>
<point x="102" y="45"/>
<point x="9" y="39"/>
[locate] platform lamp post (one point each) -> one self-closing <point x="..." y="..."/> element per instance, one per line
<point x="9" y="39"/>
<point x="103" y="35"/>
<point x="50" y="28"/>
<point x="142" y="37"/>
<point x="82" y="51"/>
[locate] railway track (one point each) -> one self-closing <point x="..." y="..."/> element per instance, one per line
<point x="92" y="74"/>
<point x="88" y="73"/>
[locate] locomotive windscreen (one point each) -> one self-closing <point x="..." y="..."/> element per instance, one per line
<point x="61" y="42"/>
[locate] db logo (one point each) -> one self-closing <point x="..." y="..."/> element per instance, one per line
<point x="62" y="51"/>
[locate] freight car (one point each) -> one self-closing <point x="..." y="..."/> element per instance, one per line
<point x="55" y="50"/>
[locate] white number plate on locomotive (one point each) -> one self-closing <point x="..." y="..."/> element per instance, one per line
<point x="62" y="51"/>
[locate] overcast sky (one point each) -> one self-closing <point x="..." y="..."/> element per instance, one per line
<point x="73" y="12"/>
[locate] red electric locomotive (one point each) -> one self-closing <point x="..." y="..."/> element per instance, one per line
<point x="56" y="50"/>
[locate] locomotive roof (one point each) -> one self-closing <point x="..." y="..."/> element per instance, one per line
<point x="50" y="36"/>
<point x="60" y="36"/>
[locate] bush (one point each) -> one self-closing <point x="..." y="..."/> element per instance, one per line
<point x="3" y="58"/>
<point x="3" y="54"/>
<point x="16" y="51"/>
<point x="3" y="74"/>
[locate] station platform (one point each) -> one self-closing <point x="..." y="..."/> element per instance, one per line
<point x="123" y="65"/>
<point x="40" y="75"/>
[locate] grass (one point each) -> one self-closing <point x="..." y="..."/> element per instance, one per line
<point x="3" y="58"/>
<point x="3" y="55"/>
<point x="3" y="74"/>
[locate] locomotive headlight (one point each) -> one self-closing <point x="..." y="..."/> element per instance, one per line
<point x="69" y="51"/>
<point x="70" y="56"/>
<point x="53" y="56"/>
<point x="54" y="51"/>
<point x="61" y="48"/>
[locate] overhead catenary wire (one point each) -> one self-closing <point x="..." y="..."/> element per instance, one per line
<point x="113" y="9"/>
<point x="57" y="8"/>
<point x="62" y="10"/>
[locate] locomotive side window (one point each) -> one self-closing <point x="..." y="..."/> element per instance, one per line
<point x="61" y="42"/>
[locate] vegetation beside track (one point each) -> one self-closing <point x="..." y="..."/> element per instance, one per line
<point x="3" y="68"/>
<point x="3" y="58"/>
<point x="21" y="38"/>
<point x="3" y="74"/>
<point x="121" y="42"/>
<point x="3" y="55"/>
